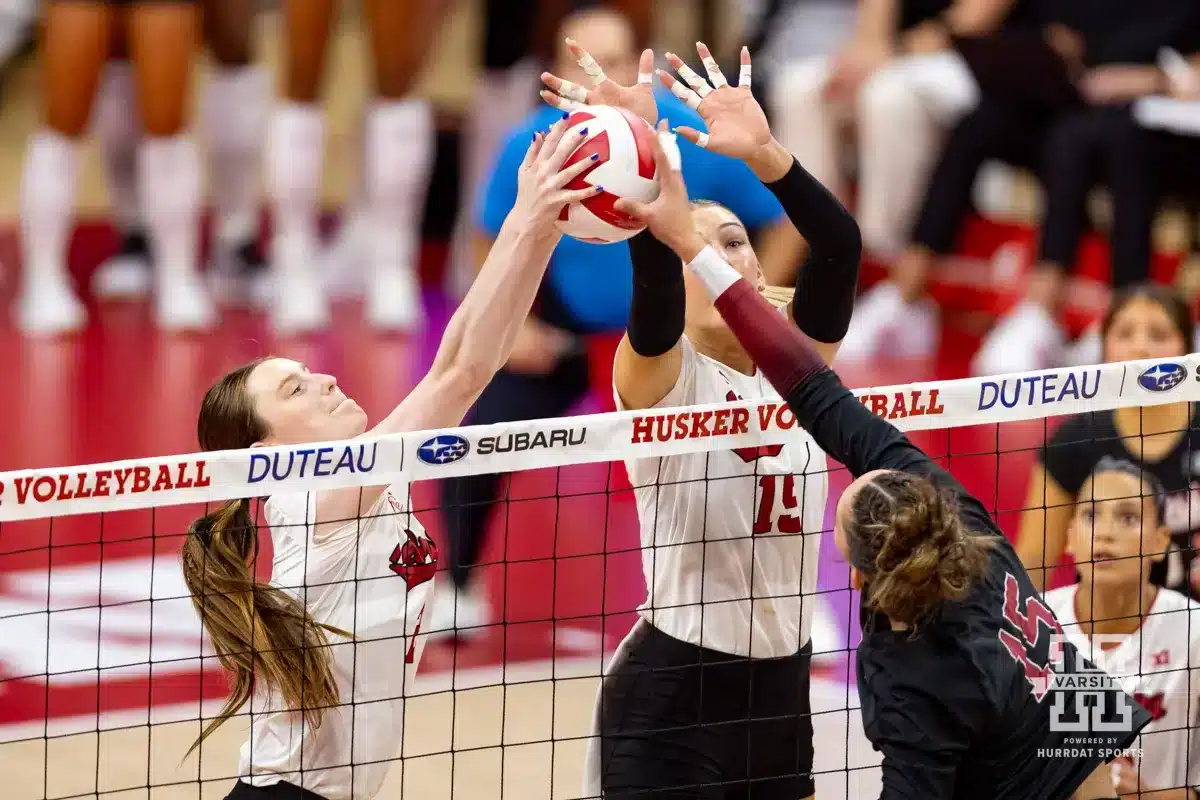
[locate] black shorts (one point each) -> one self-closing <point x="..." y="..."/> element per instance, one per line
<point x="276" y="791"/>
<point x="679" y="721"/>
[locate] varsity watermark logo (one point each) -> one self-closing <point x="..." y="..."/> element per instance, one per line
<point x="1089" y="706"/>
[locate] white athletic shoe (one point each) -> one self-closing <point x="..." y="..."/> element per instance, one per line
<point x="182" y="303"/>
<point x="456" y="614"/>
<point x="344" y="260"/>
<point x="127" y="275"/>
<point x="48" y="306"/>
<point x="301" y="305"/>
<point x="1027" y="338"/>
<point x="393" y="300"/>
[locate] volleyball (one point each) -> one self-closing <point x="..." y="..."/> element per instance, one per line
<point x="624" y="144"/>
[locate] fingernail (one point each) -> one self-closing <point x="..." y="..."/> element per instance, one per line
<point x="599" y="188"/>
<point x="595" y="156"/>
<point x="534" y="137"/>
<point x="583" y="131"/>
<point x="566" y="114"/>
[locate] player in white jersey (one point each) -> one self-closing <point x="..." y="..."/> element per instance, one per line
<point x="708" y="694"/>
<point x="1145" y="635"/>
<point x="324" y="653"/>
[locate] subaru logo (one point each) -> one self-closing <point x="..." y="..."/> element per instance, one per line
<point x="1162" y="377"/>
<point x="444" y="449"/>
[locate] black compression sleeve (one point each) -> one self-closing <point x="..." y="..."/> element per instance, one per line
<point x="827" y="281"/>
<point x="837" y="420"/>
<point x="657" y="307"/>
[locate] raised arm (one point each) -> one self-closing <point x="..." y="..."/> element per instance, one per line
<point x="648" y="359"/>
<point x="839" y="423"/>
<point x="480" y="335"/>
<point x="737" y="127"/>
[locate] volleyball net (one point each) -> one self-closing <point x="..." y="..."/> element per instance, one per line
<point x="105" y="674"/>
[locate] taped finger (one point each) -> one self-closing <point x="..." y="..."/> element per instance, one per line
<point x="594" y="72"/>
<point x="702" y="139"/>
<point x="561" y="103"/>
<point x="744" y="72"/>
<point x="693" y="79"/>
<point x="679" y="90"/>
<point x="670" y="147"/>
<point x="710" y="66"/>
<point x="645" y="77"/>
<point x="573" y="92"/>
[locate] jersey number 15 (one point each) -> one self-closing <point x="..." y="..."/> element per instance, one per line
<point x="1028" y="621"/>
<point x="765" y="520"/>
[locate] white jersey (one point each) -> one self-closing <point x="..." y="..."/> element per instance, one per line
<point x="730" y="539"/>
<point x="371" y="578"/>
<point x="1158" y="665"/>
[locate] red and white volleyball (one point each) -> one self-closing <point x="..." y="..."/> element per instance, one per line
<point x="625" y="168"/>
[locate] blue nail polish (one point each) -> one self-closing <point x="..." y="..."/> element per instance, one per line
<point x="534" y="137"/>
<point x="583" y="131"/>
<point x="599" y="188"/>
<point x="595" y="156"/>
<point x="566" y="114"/>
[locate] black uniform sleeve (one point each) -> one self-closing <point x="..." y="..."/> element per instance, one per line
<point x="923" y="741"/>
<point x="911" y="772"/>
<point x="827" y="281"/>
<point x="656" y="310"/>
<point x="834" y="417"/>
<point x="862" y="441"/>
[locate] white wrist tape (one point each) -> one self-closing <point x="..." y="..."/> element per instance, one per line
<point x="713" y="271"/>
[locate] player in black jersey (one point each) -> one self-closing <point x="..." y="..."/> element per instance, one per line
<point x="962" y="670"/>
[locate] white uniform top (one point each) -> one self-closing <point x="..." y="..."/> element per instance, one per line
<point x="730" y="539"/>
<point x="370" y="578"/>
<point x="1154" y="664"/>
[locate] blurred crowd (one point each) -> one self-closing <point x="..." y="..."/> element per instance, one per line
<point x="917" y="113"/>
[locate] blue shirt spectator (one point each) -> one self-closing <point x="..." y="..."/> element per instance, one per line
<point x="594" y="281"/>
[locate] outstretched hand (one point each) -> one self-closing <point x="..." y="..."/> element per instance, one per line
<point x="669" y="216"/>
<point x="541" y="179"/>
<point x="604" y="91"/>
<point x="737" y="126"/>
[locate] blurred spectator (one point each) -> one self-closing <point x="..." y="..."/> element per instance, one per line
<point x="505" y="91"/>
<point x="900" y="84"/>
<point x="587" y="289"/>
<point x="76" y="42"/>
<point x="398" y="153"/>
<point x="781" y="32"/>
<point x="1060" y="107"/>
<point x="233" y="119"/>
<point x="1144" y="321"/>
<point x="1118" y="618"/>
<point x="1100" y="142"/>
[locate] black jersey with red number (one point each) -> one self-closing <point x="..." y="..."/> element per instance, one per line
<point x="968" y="706"/>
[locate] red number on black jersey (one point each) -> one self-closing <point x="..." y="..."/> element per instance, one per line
<point x="1028" y="621"/>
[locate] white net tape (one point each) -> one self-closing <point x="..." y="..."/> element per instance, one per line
<point x="513" y="446"/>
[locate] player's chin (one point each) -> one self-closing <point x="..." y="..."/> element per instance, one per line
<point x="1116" y="571"/>
<point x="351" y="417"/>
